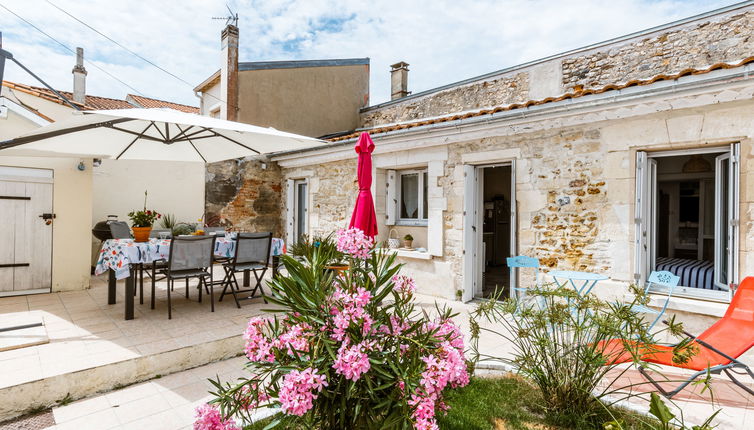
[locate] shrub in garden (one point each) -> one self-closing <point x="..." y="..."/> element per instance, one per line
<point x="559" y="343"/>
<point x="344" y="350"/>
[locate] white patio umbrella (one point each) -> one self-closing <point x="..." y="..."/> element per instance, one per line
<point x="152" y="134"/>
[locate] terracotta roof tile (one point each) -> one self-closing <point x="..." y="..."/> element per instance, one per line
<point x="96" y="102"/>
<point x="155" y="103"/>
<point x="92" y="102"/>
<point x="578" y="92"/>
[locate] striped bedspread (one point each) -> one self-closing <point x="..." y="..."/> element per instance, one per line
<point x="693" y="273"/>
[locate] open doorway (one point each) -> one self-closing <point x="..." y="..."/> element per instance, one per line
<point x="489" y="229"/>
<point x="686" y="218"/>
<point x="496" y="231"/>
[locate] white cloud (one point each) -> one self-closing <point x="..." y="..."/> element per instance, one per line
<point x="444" y="41"/>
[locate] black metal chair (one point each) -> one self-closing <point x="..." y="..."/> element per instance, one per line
<point x="252" y="254"/>
<point x="155" y="233"/>
<point x="120" y="230"/>
<point x="190" y="257"/>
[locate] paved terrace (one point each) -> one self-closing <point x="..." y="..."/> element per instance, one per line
<point x="93" y="353"/>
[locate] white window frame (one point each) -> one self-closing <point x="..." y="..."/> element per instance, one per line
<point x="423" y="219"/>
<point x="646" y="222"/>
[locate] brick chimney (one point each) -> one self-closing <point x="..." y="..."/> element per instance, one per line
<point x="79" y="78"/>
<point x="229" y="73"/>
<point x="399" y="80"/>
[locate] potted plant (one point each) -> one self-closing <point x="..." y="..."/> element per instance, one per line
<point x="142" y="221"/>
<point x="408" y="240"/>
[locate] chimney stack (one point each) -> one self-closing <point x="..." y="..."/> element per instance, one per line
<point x="79" y="78"/>
<point x="399" y="80"/>
<point x="229" y="73"/>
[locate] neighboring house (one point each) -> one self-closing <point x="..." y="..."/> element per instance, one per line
<point x="59" y="255"/>
<point x="309" y="97"/>
<point x="619" y="158"/>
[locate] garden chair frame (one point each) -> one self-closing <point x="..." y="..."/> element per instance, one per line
<point x="202" y="273"/>
<point x="239" y="263"/>
<point x="658" y="278"/>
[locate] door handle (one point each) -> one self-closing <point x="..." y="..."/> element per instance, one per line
<point x="47" y="217"/>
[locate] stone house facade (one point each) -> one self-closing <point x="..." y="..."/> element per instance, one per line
<point x="583" y="154"/>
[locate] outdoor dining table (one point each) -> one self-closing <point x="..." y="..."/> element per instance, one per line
<point x="118" y="256"/>
<point x="582" y="282"/>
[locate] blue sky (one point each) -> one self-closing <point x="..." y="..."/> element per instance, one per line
<point x="443" y="41"/>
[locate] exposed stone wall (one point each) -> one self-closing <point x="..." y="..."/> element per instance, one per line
<point x="332" y="194"/>
<point x="245" y="195"/>
<point x="562" y="198"/>
<point x="727" y="39"/>
<point x="494" y="92"/>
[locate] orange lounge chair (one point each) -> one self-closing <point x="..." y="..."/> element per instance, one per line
<point x="719" y="346"/>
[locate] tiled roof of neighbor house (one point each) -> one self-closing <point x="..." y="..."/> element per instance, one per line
<point x="147" y="102"/>
<point x="92" y="102"/>
<point x="578" y="92"/>
<point x="96" y="102"/>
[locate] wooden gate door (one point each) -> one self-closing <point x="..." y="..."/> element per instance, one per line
<point x="25" y="230"/>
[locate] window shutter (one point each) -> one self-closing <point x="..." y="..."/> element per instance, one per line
<point x="437" y="204"/>
<point x="289" y="211"/>
<point x="391" y="201"/>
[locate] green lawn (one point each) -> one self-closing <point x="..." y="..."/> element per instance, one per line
<point x="506" y="403"/>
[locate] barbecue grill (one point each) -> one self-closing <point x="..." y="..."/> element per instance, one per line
<point x="101" y="230"/>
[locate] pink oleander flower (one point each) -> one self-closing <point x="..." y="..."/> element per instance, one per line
<point x="354" y="242"/>
<point x="447" y="330"/>
<point x="208" y="417"/>
<point x="352" y="361"/>
<point x="296" y="338"/>
<point x="404" y="284"/>
<point x="348" y="308"/>
<point x="299" y="389"/>
<point x="258" y="347"/>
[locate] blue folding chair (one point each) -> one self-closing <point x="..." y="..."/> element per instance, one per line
<point x="658" y="279"/>
<point x="522" y="261"/>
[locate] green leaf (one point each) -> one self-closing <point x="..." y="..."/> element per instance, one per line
<point x="658" y="408"/>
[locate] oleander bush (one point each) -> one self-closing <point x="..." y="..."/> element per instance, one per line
<point x="343" y="350"/>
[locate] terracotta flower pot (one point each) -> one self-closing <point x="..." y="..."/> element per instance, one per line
<point x="141" y="234"/>
<point x="408" y="243"/>
<point x="339" y="268"/>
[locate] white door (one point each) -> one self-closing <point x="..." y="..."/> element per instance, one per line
<point x="514" y="228"/>
<point x="726" y="218"/>
<point x="470" y="242"/>
<point x="645" y="217"/>
<point x="25" y="236"/>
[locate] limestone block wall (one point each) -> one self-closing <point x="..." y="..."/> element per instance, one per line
<point x="498" y="91"/>
<point x="246" y="194"/>
<point x="726" y="38"/>
<point x="332" y="194"/>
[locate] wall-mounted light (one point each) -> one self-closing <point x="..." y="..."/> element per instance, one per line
<point x="81" y="166"/>
<point x="96" y="162"/>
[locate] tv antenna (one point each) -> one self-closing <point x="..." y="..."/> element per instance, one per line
<point x="231" y="19"/>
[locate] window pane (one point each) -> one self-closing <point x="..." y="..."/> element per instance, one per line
<point x="410" y="196"/>
<point x="425" y="203"/>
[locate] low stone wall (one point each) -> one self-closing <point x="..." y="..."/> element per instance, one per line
<point x="493" y="92"/>
<point x="722" y="39"/>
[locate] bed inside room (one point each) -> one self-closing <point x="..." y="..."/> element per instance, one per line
<point x="685" y="203"/>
